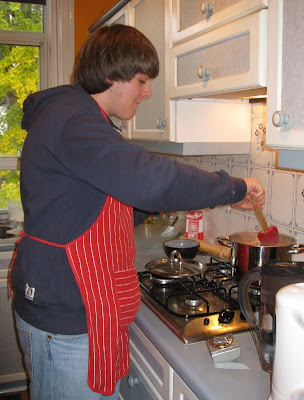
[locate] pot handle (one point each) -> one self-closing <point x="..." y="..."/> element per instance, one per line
<point x="296" y="249"/>
<point x="251" y="276"/>
<point x="227" y="242"/>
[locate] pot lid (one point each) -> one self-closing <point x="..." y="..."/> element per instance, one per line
<point x="175" y="267"/>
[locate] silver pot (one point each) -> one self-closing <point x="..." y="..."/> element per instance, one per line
<point x="247" y="253"/>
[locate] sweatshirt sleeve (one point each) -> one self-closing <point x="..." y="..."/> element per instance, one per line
<point x="95" y="152"/>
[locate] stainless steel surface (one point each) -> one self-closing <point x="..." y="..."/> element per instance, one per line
<point x="247" y="253"/>
<point x="199" y="307"/>
<point x="175" y="267"/>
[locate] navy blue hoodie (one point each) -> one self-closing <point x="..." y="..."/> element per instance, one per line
<point x="71" y="160"/>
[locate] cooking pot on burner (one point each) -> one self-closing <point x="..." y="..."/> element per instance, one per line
<point x="247" y="253"/>
<point x="175" y="267"/>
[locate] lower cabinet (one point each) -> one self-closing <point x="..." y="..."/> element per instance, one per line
<point x="12" y="373"/>
<point x="180" y="390"/>
<point x="151" y="377"/>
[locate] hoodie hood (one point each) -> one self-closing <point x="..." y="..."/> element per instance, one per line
<point x="36" y="102"/>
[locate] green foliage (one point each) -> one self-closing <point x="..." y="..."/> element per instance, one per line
<point x="19" y="77"/>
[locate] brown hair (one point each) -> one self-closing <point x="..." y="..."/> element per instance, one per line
<point x="114" y="53"/>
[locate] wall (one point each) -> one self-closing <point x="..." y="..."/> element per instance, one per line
<point x="284" y="188"/>
<point x="87" y="13"/>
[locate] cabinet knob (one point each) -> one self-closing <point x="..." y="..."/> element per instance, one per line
<point x="132" y="381"/>
<point x="203" y="73"/>
<point x="279" y="119"/>
<point x="160" y="124"/>
<point x="206" y="8"/>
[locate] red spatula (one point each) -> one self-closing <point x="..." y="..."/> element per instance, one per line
<point x="269" y="235"/>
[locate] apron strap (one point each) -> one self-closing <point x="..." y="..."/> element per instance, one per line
<point x="23" y="234"/>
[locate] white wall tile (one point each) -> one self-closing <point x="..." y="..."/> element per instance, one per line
<point x="221" y="158"/>
<point x="218" y="166"/>
<point x="282" y="197"/>
<point x="237" y="222"/>
<point x="240" y="158"/>
<point x="239" y="171"/>
<point x="260" y="153"/>
<point x="219" y="221"/>
<point x="252" y="224"/>
<point x="207" y="222"/>
<point x="195" y="160"/>
<point x="206" y="164"/>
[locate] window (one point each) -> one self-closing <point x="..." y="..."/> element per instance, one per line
<point x="36" y="52"/>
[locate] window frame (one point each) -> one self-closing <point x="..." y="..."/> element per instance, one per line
<point x="56" y="51"/>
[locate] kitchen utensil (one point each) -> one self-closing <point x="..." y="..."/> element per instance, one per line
<point x="273" y="275"/>
<point x="175" y="267"/>
<point x="287" y="377"/>
<point x="212" y="249"/>
<point x="269" y="236"/>
<point x="187" y="248"/>
<point x="247" y="253"/>
<point x="150" y="236"/>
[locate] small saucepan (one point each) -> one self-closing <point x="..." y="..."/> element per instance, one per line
<point x="187" y="248"/>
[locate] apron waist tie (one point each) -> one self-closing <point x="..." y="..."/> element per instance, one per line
<point x="23" y="234"/>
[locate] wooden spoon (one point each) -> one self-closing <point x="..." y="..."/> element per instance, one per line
<point x="269" y="236"/>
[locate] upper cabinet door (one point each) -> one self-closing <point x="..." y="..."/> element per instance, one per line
<point x="231" y="58"/>
<point x="150" y="122"/>
<point x="285" y="117"/>
<point x="190" y="18"/>
<point x="121" y="17"/>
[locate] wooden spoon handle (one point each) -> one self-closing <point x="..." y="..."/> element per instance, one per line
<point x="212" y="249"/>
<point x="260" y="216"/>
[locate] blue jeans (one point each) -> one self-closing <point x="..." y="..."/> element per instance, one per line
<point x="57" y="365"/>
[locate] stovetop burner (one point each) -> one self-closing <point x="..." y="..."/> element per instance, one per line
<point x="198" y="307"/>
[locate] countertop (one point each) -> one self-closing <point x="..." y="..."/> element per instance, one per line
<point x="239" y="380"/>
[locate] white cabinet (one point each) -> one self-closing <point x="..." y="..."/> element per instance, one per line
<point x="152" y="369"/>
<point x="231" y="58"/>
<point x="180" y="390"/>
<point x="151" y="121"/>
<point x="12" y="374"/>
<point x="150" y="375"/>
<point x="190" y="18"/>
<point x="285" y="117"/>
<point x="121" y="17"/>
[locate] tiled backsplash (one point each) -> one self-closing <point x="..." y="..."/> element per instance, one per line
<point x="284" y="188"/>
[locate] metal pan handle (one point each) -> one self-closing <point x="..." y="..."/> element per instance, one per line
<point x="296" y="249"/>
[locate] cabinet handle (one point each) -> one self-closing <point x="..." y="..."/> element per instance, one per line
<point x="279" y="119"/>
<point x="160" y="124"/>
<point x="132" y="381"/>
<point x="206" y="8"/>
<point x="203" y="73"/>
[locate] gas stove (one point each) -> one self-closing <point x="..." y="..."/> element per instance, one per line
<point x="200" y="306"/>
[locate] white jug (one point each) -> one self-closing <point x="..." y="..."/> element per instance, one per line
<point x="288" y="368"/>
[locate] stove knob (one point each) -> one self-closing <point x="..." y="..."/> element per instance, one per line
<point x="226" y="317"/>
<point x="206" y="321"/>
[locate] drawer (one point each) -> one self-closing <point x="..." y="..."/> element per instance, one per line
<point x="149" y="365"/>
<point x="191" y="18"/>
<point x="229" y="59"/>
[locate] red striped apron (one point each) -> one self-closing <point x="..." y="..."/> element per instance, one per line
<point x="102" y="260"/>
